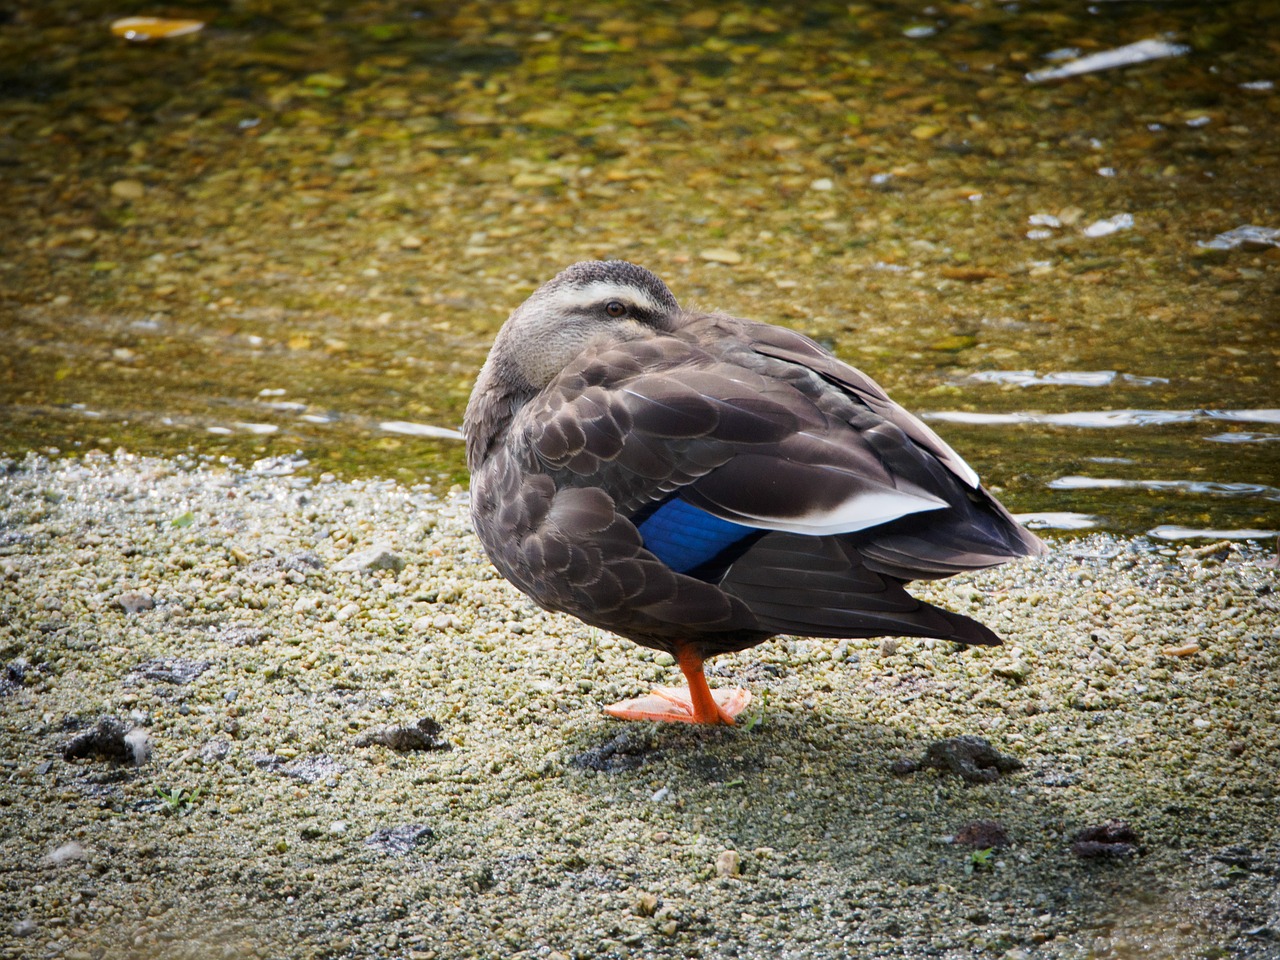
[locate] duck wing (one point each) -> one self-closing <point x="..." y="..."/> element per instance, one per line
<point x="974" y="533"/>
<point x="668" y="419"/>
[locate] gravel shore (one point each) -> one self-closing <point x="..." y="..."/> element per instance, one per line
<point x="250" y="713"/>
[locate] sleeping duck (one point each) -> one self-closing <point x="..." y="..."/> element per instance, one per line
<point x="698" y="483"/>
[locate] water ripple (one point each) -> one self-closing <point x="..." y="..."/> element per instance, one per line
<point x="1244" y="437"/>
<point x="412" y="429"/>
<point x="1182" y="486"/>
<point x="1056" y="520"/>
<point x="1105" y="418"/>
<point x="1172" y="531"/>
<point x="1063" y="378"/>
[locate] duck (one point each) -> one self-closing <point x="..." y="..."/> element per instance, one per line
<point x="698" y="483"/>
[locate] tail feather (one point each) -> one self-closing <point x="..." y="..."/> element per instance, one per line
<point x="819" y="587"/>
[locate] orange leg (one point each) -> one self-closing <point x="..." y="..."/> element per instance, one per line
<point x="696" y="703"/>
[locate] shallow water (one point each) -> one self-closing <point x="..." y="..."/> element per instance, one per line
<point x="299" y="228"/>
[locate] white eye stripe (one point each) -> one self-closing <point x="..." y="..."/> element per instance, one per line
<point x="591" y="294"/>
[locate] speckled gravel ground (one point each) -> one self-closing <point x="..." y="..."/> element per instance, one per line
<point x="256" y="627"/>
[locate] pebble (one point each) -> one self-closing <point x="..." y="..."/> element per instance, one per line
<point x="728" y="864"/>
<point x="128" y="190"/>
<point x="1191" y="648"/>
<point x="721" y="255"/>
<point x="135" y="601"/>
<point x="399" y="840"/>
<point x="423" y="734"/>
<point x="377" y="557"/>
<point x="982" y="834"/>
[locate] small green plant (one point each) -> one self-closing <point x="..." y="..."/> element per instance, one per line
<point x="980" y="860"/>
<point x="758" y="719"/>
<point x="183" y="520"/>
<point x="178" y="800"/>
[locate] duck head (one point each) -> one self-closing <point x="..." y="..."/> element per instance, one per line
<point x="589" y="303"/>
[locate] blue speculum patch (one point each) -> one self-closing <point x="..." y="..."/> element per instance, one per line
<point x="684" y="536"/>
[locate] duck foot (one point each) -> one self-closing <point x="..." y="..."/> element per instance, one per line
<point x="675" y="705"/>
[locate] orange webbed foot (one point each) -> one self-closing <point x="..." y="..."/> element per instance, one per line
<point x="675" y="705"/>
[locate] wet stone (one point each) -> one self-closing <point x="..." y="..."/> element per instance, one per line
<point x="1249" y="237"/>
<point x="400" y="840"/>
<point x="425" y="734"/>
<point x="128" y="190"/>
<point x="1114" y="839"/>
<point x="971" y="758"/>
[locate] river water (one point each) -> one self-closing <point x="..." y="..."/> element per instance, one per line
<point x="297" y="230"/>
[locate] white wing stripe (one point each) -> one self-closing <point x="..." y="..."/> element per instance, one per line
<point x="858" y="513"/>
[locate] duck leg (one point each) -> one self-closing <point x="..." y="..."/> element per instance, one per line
<point x="696" y="703"/>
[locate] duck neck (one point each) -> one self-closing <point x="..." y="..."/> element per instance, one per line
<point x="500" y="391"/>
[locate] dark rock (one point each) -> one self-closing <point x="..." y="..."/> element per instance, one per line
<point x="168" y="670"/>
<point x="215" y="750"/>
<point x="1113" y="839"/>
<point x="971" y="758"/>
<point x="397" y="841"/>
<point x="422" y="735"/>
<point x="982" y="835"/>
<point x="305" y="562"/>
<point x="243" y="635"/>
<point x="1242" y="858"/>
<point x="626" y="751"/>
<point x="265" y="568"/>
<point x="13" y="675"/>
<point x="309" y="769"/>
<point x="111" y="739"/>
<point x="1060" y="778"/>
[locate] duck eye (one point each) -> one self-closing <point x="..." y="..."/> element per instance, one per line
<point x="615" y="308"/>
